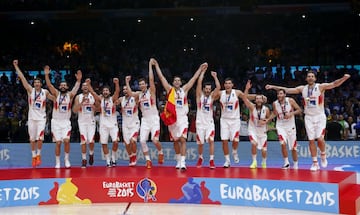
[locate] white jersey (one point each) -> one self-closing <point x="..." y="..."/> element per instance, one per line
<point x="37" y="105"/>
<point x="129" y="110"/>
<point x="204" y="113"/>
<point x="313" y="100"/>
<point x="229" y="105"/>
<point x="86" y="112"/>
<point x="108" y="112"/>
<point x="181" y="103"/>
<point x="281" y="110"/>
<point x="62" y="107"/>
<point x="255" y="117"/>
<point x="147" y="104"/>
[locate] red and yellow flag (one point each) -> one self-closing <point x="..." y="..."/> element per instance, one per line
<point x="168" y="116"/>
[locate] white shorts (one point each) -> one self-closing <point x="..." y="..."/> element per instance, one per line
<point x="106" y="131"/>
<point x="130" y="133"/>
<point x="315" y="126"/>
<point x="205" y="133"/>
<point x="87" y="133"/>
<point x="36" y="129"/>
<point x="229" y="129"/>
<point x="150" y="125"/>
<point x="287" y="135"/>
<point x="60" y="129"/>
<point x="260" y="140"/>
<point x="179" y="128"/>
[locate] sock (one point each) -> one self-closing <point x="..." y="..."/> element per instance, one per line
<point x="33" y="153"/>
<point x="286" y="160"/>
<point x="211" y="157"/>
<point x="201" y="156"/>
<point x="227" y="158"/>
<point x="147" y="157"/>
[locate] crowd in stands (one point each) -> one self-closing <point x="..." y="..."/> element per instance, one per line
<point x="232" y="46"/>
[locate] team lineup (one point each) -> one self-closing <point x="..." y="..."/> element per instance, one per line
<point x="175" y="116"/>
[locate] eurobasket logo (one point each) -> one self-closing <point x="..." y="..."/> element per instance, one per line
<point x="146" y="189"/>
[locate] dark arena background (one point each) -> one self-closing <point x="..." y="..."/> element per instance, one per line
<point x="265" y="41"/>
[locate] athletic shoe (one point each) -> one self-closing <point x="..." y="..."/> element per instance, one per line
<point x="33" y="162"/>
<point x="108" y="165"/>
<point x="91" y="160"/>
<point x="253" y="165"/>
<point x="199" y="163"/>
<point x="57" y="165"/>
<point x="160" y="158"/>
<point x="212" y="164"/>
<point x="67" y="163"/>
<point x="324" y="161"/>
<point x="315" y="166"/>
<point x="38" y="160"/>
<point x="236" y="157"/>
<point x="113" y="163"/>
<point x="182" y="165"/>
<point x="177" y="165"/>
<point x="263" y="164"/>
<point x="227" y="164"/>
<point x="83" y="163"/>
<point x="296" y="166"/>
<point x="132" y="161"/>
<point x="286" y="166"/>
<point x="148" y="164"/>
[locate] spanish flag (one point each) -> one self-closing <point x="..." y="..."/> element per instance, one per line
<point x="168" y="116"/>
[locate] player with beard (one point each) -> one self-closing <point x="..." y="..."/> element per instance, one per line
<point x="315" y="119"/>
<point x="178" y="130"/>
<point x="37" y="113"/>
<point x="150" y="121"/>
<point x="260" y="115"/>
<point x="130" y="122"/>
<point x="61" y="114"/>
<point x="285" y="109"/>
<point x="205" y="127"/>
<point x="108" y="119"/>
<point x="84" y="106"/>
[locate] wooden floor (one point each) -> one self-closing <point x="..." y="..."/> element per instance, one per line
<point x="148" y="209"/>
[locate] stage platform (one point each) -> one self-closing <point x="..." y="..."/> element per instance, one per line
<point x="324" y="191"/>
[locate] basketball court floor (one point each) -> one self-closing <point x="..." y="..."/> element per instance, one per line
<point x="148" y="209"/>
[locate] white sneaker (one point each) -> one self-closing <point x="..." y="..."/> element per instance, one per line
<point x="324" y="162"/>
<point x="182" y="165"/>
<point x="67" y="163"/>
<point x="57" y="165"/>
<point x="286" y="166"/>
<point x="177" y="165"/>
<point x="296" y="166"/>
<point x="227" y="164"/>
<point x="236" y="157"/>
<point x="314" y="166"/>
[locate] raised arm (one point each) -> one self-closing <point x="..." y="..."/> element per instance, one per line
<point x="191" y="82"/>
<point x="24" y="82"/>
<point x="216" y="92"/>
<point x="76" y="87"/>
<point x="117" y="89"/>
<point x="294" y="90"/>
<point x="162" y="78"/>
<point x="91" y="90"/>
<point x="152" y="86"/>
<point x="129" y="90"/>
<point x="336" y="83"/>
<point x="51" y="87"/>
<point x="199" y="86"/>
<point x="245" y="96"/>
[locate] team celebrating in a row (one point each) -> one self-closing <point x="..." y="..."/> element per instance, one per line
<point x="175" y="116"/>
